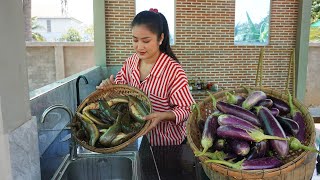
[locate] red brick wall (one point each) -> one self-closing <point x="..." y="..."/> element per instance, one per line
<point x="204" y="41"/>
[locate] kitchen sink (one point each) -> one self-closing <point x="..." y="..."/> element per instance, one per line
<point x="97" y="167"/>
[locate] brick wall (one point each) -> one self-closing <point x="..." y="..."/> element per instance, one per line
<point x="204" y="41"/>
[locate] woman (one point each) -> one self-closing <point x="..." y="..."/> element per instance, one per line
<point x="155" y="70"/>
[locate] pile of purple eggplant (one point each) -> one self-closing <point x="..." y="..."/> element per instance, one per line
<point x="251" y="132"/>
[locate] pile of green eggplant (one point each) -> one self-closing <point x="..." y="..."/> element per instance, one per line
<point x="108" y="123"/>
<point x="251" y="132"/>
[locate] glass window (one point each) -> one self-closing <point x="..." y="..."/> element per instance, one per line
<point x="166" y="7"/>
<point x="252" y="19"/>
<point x="48" y="25"/>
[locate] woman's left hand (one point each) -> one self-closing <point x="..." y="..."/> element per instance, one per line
<point x="156" y="117"/>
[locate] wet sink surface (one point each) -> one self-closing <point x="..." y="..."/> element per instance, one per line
<point x="96" y="168"/>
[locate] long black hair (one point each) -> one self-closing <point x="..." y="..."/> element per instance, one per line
<point x="156" y="23"/>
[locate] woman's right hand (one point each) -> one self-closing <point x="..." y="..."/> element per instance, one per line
<point x="105" y="83"/>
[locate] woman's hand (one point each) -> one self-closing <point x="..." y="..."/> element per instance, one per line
<point x="105" y="83"/>
<point x="156" y="117"/>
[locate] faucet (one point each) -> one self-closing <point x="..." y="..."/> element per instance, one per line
<point x="77" y="87"/>
<point x="72" y="148"/>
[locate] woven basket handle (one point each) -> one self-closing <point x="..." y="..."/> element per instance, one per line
<point x="259" y="68"/>
<point x="292" y="65"/>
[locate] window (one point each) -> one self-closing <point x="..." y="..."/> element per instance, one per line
<point x="166" y="7"/>
<point x="252" y="18"/>
<point x="48" y="25"/>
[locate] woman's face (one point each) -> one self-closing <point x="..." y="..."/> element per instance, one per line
<point x="145" y="43"/>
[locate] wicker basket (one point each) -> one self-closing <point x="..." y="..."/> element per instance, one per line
<point x="109" y="93"/>
<point x="217" y="171"/>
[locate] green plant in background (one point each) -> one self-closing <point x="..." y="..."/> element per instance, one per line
<point x="36" y="36"/>
<point x="71" y="36"/>
<point x="252" y="33"/>
<point x="314" y="34"/>
<point x="315" y="11"/>
<point x="315" y="17"/>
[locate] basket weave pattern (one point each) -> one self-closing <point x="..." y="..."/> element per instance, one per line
<point x="217" y="171"/>
<point x="110" y="92"/>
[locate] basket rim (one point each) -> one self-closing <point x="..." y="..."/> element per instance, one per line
<point x="122" y="145"/>
<point x="287" y="166"/>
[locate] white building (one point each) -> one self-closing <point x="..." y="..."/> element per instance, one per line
<point x="52" y="28"/>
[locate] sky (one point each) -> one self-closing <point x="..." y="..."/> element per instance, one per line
<point x="78" y="9"/>
<point x="256" y="9"/>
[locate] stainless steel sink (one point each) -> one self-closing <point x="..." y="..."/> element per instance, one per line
<point x="97" y="167"/>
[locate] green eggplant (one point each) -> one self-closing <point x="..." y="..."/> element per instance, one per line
<point x="107" y="137"/>
<point x="107" y="110"/>
<point x="121" y="138"/>
<point x="99" y="114"/>
<point x="137" y="109"/>
<point x="116" y="100"/>
<point x="96" y="120"/>
<point x="90" y="128"/>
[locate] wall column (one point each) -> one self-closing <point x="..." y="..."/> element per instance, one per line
<point x="99" y="33"/>
<point x="302" y="47"/>
<point x="59" y="61"/>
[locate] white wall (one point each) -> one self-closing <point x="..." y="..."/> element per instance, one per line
<point x="14" y="108"/>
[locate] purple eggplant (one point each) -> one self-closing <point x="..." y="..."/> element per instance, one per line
<point x="265" y="102"/>
<point x="275" y="112"/>
<point x="234" y="132"/>
<point x="272" y="127"/>
<point x="259" y="150"/>
<point x="253" y="164"/>
<point x="281" y="105"/>
<point x="209" y="133"/>
<point x="228" y="119"/>
<point x="297" y="117"/>
<point x="235" y="110"/>
<point x="234" y="99"/>
<point x="239" y="147"/>
<point x="254" y="96"/>
<point x="219" y="144"/>
<point x="289" y="125"/>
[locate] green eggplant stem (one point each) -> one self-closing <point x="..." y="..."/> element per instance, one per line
<point x="237" y="165"/>
<point x="230" y="98"/>
<point x="259" y="136"/>
<point x="295" y="144"/>
<point x="292" y="108"/>
<point x="217" y="155"/>
<point x="246" y="88"/>
<point x="196" y="106"/>
<point x="214" y="101"/>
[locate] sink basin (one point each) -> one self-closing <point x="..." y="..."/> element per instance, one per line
<point x="96" y="168"/>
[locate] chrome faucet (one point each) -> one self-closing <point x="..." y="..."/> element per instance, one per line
<point x="73" y="149"/>
<point x="77" y="87"/>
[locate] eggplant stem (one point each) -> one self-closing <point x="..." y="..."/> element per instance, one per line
<point x="295" y="144"/>
<point x="196" y="106"/>
<point x="214" y="101"/>
<point x="259" y="136"/>
<point x="246" y="88"/>
<point x="237" y="165"/>
<point x="292" y="108"/>
<point x="230" y="98"/>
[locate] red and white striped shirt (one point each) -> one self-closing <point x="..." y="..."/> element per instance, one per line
<point x="167" y="89"/>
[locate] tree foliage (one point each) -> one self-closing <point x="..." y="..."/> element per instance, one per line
<point x="315" y="11"/>
<point x="71" y="36"/>
<point x="34" y="25"/>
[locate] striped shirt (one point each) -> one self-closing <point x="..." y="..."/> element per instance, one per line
<point x="167" y="89"/>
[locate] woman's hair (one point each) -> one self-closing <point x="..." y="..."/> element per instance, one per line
<point x="156" y="23"/>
